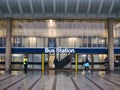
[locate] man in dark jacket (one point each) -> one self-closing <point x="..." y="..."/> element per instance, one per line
<point x="106" y="63"/>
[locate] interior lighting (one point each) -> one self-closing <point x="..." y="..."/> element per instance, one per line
<point x="51" y="23"/>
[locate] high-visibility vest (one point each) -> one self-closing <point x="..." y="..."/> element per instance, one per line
<point x="25" y="61"/>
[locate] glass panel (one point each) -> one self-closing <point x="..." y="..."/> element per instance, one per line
<point x="69" y="32"/>
<point x="71" y="42"/>
<point x="37" y="58"/>
<point x="97" y="58"/>
<point x="2" y="59"/>
<point x="40" y="42"/>
<point x="116" y="33"/>
<point x="17" y="41"/>
<point x="117" y="61"/>
<point x="2" y="41"/>
<point x="2" y="33"/>
<point x="46" y="42"/>
<point x="63" y="42"/>
<point x="51" y="42"/>
<point x="25" y="42"/>
<point x="17" y="58"/>
<point x="32" y="41"/>
<point x="34" y="59"/>
<point x="57" y="42"/>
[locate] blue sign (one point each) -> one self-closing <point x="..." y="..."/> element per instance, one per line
<point x="59" y="50"/>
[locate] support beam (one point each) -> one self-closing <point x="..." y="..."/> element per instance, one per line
<point x="54" y="6"/>
<point x="110" y="45"/>
<point x="31" y="6"/>
<point x="111" y="8"/>
<point x="8" y="6"/>
<point x="56" y="16"/>
<point x="77" y="6"/>
<point x="20" y="7"/>
<point x="43" y="7"/>
<point x="66" y="3"/>
<point x="89" y="5"/>
<point x="100" y="7"/>
<point x="8" y="46"/>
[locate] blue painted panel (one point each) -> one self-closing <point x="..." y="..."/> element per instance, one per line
<point x="2" y="50"/>
<point x="92" y="50"/>
<point x="28" y="50"/>
<point x="77" y="50"/>
<point x="117" y="50"/>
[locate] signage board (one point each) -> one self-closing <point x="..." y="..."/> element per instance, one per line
<point x="59" y="50"/>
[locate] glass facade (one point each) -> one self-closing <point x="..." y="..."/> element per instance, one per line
<point x="34" y="58"/>
<point x="2" y="59"/>
<point x="117" y="34"/>
<point x="2" y="41"/>
<point x="16" y="58"/>
<point x="2" y="33"/>
<point x="97" y="58"/>
<point x="64" y="33"/>
<point x="34" y="61"/>
<point x="58" y="33"/>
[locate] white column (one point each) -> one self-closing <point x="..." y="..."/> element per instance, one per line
<point x="110" y="45"/>
<point x="8" y="45"/>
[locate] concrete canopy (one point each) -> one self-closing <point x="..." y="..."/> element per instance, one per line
<point x="60" y="9"/>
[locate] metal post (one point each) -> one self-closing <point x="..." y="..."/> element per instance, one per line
<point x="76" y="62"/>
<point x="43" y="58"/>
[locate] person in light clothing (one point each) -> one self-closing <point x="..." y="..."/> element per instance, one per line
<point x="86" y="65"/>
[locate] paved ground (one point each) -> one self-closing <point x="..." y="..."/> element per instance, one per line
<point x="60" y="81"/>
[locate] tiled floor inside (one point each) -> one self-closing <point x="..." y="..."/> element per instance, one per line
<point x="60" y="80"/>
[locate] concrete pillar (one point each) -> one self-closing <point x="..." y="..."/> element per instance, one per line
<point x="92" y="63"/>
<point x="8" y="45"/>
<point x="110" y="45"/>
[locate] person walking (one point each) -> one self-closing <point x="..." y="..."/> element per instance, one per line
<point x="86" y="65"/>
<point x="106" y="64"/>
<point x="25" y="62"/>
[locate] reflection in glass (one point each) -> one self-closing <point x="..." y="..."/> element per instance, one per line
<point x="68" y="33"/>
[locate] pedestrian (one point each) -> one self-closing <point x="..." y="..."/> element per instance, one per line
<point x="56" y="63"/>
<point x="86" y="65"/>
<point x="25" y="62"/>
<point x="106" y="63"/>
